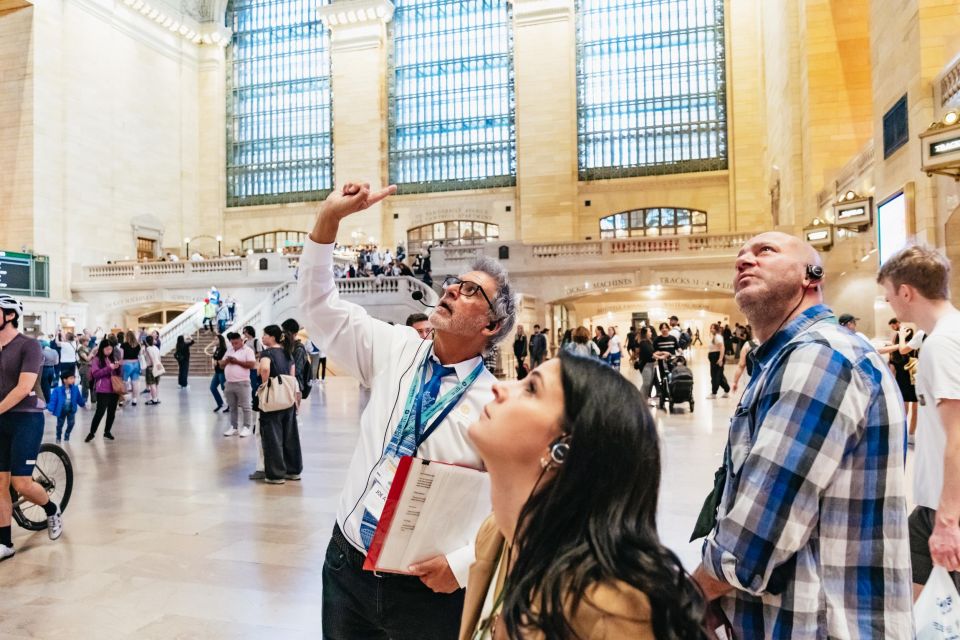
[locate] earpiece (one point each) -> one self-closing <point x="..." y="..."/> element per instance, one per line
<point x="814" y="273"/>
<point x="559" y="450"/>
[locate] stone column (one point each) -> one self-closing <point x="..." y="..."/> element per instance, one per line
<point x="358" y="75"/>
<point x="546" y="76"/>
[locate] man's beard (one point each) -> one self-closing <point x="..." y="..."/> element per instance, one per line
<point x="764" y="308"/>
<point x="457" y="324"/>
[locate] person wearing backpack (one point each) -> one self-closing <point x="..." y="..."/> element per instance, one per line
<point x="282" y="457"/>
<point x="301" y="359"/>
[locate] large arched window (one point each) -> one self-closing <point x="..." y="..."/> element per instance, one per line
<point x="274" y="241"/>
<point x="650" y="87"/>
<point x="451" y="96"/>
<point x="279" y="141"/>
<point x="654" y="221"/>
<point x="451" y="232"/>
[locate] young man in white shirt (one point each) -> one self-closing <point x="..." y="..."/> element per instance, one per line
<point x="916" y="282"/>
<point x="476" y="311"/>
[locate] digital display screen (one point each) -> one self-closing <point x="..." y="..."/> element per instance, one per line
<point x="944" y="146"/>
<point x="892" y="225"/>
<point x="14" y="274"/>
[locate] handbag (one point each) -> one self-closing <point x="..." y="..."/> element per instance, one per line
<point x="158" y="369"/>
<point x="119" y="387"/>
<point x="277" y="393"/>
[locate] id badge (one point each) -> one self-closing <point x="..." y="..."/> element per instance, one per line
<point x="377" y="496"/>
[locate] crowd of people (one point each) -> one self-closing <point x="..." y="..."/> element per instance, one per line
<point x="805" y="532"/>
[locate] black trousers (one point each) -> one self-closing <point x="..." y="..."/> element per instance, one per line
<point x="717" y="379"/>
<point x="358" y="605"/>
<point x="183" y="370"/>
<point x="281" y="443"/>
<point x="106" y="404"/>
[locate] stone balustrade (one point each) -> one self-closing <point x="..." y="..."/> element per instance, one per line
<point x="599" y="255"/>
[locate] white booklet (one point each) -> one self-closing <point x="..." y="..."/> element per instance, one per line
<point x="432" y="509"/>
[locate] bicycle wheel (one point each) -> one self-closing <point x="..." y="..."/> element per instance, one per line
<point x="53" y="472"/>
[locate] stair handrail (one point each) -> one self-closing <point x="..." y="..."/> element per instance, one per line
<point x="186" y="323"/>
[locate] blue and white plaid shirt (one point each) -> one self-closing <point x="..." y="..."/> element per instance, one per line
<point x="812" y="526"/>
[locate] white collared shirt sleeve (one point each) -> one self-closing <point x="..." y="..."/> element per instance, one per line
<point x="343" y="330"/>
<point x="460" y="561"/>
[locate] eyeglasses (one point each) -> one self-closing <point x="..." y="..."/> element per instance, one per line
<point x="468" y="289"/>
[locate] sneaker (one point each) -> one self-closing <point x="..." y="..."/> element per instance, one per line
<point x="292" y="476"/>
<point x="226" y="409"/>
<point x="66" y="438"/>
<point x="725" y="395"/>
<point x="911" y="439"/>
<point x="134" y="403"/>
<point x="230" y="432"/>
<point x="712" y="396"/>
<point x="88" y="438"/>
<point x="58" y="440"/>
<point x="257" y="475"/>
<point x="108" y="436"/>
<point x="55" y="525"/>
<point x="6" y="552"/>
<point x="217" y="410"/>
<point x="275" y="480"/>
<point x="245" y="432"/>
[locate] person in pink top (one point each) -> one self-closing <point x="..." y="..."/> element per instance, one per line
<point x="236" y="364"/>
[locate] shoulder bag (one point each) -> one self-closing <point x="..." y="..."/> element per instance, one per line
<point x="279" y="392"/>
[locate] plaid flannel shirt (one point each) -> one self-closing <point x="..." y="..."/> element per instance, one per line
<point x="812" y="526"/>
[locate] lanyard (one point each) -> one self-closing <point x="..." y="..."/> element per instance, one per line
<point x="444" y="405"/>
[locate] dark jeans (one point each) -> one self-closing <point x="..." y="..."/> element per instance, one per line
<point x="83" y="377"/>
<point x="281" y="443"/>
<point x="106" y="404"/>
<point x="183" y="370"/>
<point x="717" y="379"/>
<point x="218" y="381"/>
<point x="48" y="380"/>
<point x="70" y="419"/>
<point x="358" y="605"/>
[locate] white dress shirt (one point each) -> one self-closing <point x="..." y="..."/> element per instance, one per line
<point x="385" y="358"/>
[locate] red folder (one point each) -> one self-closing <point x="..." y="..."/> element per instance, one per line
<point x="389" y="509"/>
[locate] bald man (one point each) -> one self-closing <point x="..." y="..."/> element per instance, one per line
<point x="810" y="536"/>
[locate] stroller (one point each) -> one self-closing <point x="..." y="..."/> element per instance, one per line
<point x="674" y="383"/>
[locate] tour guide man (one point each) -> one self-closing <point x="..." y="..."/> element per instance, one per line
<point x="423" y="395"/>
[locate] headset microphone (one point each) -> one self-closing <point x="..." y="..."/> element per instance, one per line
<point x="418" y="296"/>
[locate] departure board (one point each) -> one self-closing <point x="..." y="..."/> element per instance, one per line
<point x="24" y="274"/>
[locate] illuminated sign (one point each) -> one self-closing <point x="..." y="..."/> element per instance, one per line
<point x="23" y="274"/>
<point x="819" y="236"/>
<point x="815" y="236"/>
<point x="944" y="146"/>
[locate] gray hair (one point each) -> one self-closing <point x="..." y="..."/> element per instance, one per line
<point x="504" y="304"/>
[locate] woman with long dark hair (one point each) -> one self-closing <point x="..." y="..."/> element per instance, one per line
<point x="103" y="367"/>
<point x="182" y="355"/>
<point x="716" y="354"/>
<point x="130" y="349"/>
<point x="218" y="381"/>
<point x="279" y="436"/>
<point x="571" y="550"/>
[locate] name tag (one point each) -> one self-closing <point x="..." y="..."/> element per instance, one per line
<point x="376" y="497"/>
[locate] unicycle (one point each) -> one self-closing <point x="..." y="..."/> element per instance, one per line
<point x="54" y="472"/>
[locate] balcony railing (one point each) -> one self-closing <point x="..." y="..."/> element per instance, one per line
<point x="591" y="254"/>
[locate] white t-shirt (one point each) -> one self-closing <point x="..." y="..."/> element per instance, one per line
<point x="68" y="353"/>
<point x="716" y="343"/>
<point x="614" y="345"/>
<point x="938" y="378"/>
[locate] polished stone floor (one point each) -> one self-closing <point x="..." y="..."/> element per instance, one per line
<point x="165" y="537"/>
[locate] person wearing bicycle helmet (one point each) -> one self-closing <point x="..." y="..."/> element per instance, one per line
<point x="21" y="423"/>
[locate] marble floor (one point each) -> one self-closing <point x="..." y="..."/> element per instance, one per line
<point x="165" y="537"/>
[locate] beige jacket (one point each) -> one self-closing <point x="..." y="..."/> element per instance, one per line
<point x="608" y="611"/>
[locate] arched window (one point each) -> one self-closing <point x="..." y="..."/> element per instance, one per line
<point x="451" y="96"/>
<point x="274" y="241"/>
<point x="455" y="232"/>
<point x="654" y="221"/>
<point x="279" y="116"/>
<point x="651" y="87"/>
